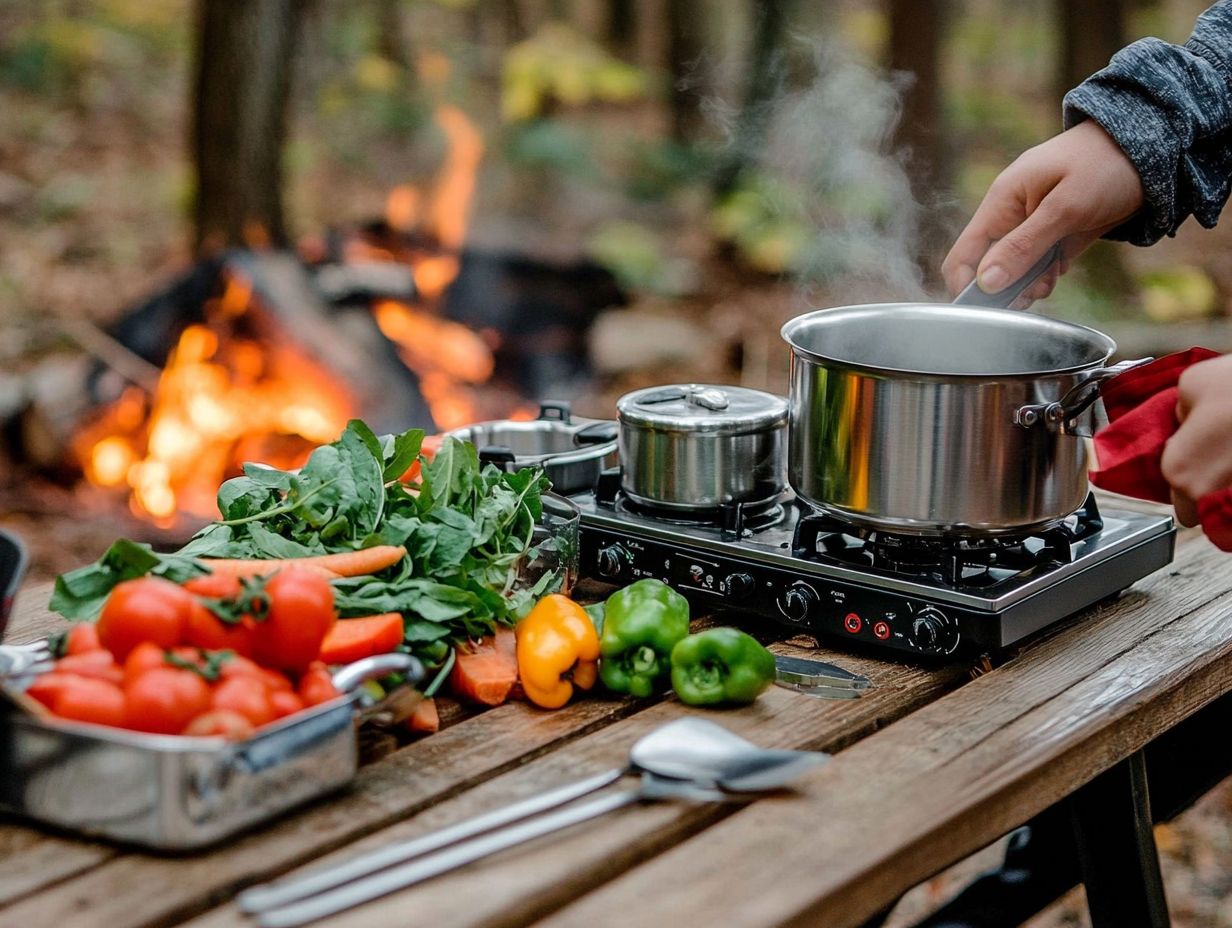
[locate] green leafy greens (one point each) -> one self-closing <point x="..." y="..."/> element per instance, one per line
<point x="466" y="528"/>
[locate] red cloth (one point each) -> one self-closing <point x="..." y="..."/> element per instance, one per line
<point x="1141" y="405"/>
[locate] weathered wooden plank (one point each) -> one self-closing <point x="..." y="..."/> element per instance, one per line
<point x="903" y="803"/>
<point x="524" y="883"/>
<point x="31" y="860"/>
<point x="30" y="618"/>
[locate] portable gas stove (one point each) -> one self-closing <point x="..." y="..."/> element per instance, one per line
<point x="810" y="571"/>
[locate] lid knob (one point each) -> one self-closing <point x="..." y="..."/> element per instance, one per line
<point x="708" y="398"/>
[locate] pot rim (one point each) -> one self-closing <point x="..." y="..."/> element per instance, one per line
<point x="580" y="455"/>
<point x="791" y="328"/>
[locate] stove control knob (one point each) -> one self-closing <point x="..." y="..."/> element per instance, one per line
<point x="797" y="602"/>
<point x="612" y="561"/>
<point x="934" y="632"/>
<point x="737" y="586"/>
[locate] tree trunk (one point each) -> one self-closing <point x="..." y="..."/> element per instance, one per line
<point x="392" y="42"/>
<point x="621" y="26"/>
<point x="243" y="79"/>
<point x="763" y="78"/>
<point x="916" y="32"/>
<point x="1091" y="33"/>
<point x="684" y="53"/>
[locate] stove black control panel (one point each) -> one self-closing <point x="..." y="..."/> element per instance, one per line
<point x="796" y="599"/>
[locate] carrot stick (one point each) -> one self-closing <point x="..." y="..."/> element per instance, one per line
<point x="343" y="564"/>
<point x="352" y="639"/>
<point x="425" y="718"/>
<point x="485" y="672"/>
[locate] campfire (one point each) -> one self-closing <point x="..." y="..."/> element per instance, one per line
<point x="260" y="355"/>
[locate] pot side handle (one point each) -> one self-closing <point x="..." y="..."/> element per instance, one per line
<point x="1080" y="397"/>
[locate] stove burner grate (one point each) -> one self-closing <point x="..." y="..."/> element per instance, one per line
<point x="733" y="520"/>
<point x="964" y="562"/>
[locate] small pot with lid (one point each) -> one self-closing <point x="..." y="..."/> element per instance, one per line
<point x="694" y="447"/>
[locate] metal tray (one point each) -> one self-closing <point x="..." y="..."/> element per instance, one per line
<point x="179" y="793"/>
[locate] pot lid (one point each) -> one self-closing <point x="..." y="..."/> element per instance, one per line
<point x="702" y="408"/>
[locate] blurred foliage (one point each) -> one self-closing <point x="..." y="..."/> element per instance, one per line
<point x="658" y="167"/>
<point x="559" y="64"/>
<point x="639" y="259"/>
<point x="549" y="144"/>
<point x="94" y="105"/>
<point x="1178" y="293"/>
<point x="763" y="219"/>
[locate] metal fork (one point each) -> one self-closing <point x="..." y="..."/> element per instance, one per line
<point x="17" y="660"/>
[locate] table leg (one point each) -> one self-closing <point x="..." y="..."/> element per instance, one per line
<point x="1116" y="848"/>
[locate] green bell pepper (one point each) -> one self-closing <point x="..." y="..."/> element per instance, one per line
<point x="720" y="665"/>
<point x="641" y="625"/>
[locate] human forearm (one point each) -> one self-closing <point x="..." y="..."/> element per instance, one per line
<point x="1169" y="109"/>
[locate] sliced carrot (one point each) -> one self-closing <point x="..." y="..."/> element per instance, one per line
<point x="425" y="718"/>
<point x="485" y="671"/>
<point x="352" y="639"/>
<point x="343" y="564"/>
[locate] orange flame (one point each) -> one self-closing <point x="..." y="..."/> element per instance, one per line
<point x="447" y="356"/>
<point x="220" y="398"/>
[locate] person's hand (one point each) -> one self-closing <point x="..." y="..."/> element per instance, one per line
<point x="1074" y="187"/>
<point x="1197" y="460"/>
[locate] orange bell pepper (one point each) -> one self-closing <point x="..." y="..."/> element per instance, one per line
<point x="558" y="649"/>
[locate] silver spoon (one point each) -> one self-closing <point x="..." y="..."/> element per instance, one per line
<point x="707" y="763"/>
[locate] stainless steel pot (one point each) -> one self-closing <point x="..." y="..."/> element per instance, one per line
<point x="572" y="452"/>
<point x="174" y="792"/>
<point x="936" y="419"/>
<point x="693" y="447"/>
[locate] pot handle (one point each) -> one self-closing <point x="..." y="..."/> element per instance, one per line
<point x="349" y="678"/>
<point x="974" y="296"/>
<point x="555" y="411"/>
<point x="1061" y="413"/>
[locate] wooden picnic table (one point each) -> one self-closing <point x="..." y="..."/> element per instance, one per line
<point x="931" y="765"/>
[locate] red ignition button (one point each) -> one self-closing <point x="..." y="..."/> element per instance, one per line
<point x="853" y="623"/>
<point x="881" y="630"/>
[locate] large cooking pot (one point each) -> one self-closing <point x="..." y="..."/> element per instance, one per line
<point x="696" y="447"/>
<point x="572" y="452"/>
<point x="942" y="419"/>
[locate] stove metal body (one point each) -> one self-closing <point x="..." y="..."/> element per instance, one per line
<point x="814" y="574"/>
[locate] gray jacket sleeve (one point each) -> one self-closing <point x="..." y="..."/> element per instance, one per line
<point x="1169" y="107"/>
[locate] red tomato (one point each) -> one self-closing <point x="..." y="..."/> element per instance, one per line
<point x="224" y="722"/>
<point x="90" y="700"/>
<point x="248" y="696"/>
<point x="165" y="700"/>
<point x="240" y="666"/>
<point x="146" y="656"/>
<point x="206" y="630"/>
<point x="47" y="685"/>
<point x="285" y="703"/>
<point x="97" y="664"/>
<point x="82" y="638"/>
<point x="87" y="699"/>
<point x="276" y="681"/>
<point x="146" y="609"/>
<point x="301" y="611"/>
<point x="316" y="685"/>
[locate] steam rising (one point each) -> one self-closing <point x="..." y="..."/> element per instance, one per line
<point x="829" y="143"/>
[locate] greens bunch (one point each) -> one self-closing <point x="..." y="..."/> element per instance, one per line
<point x="466" y="528"/>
